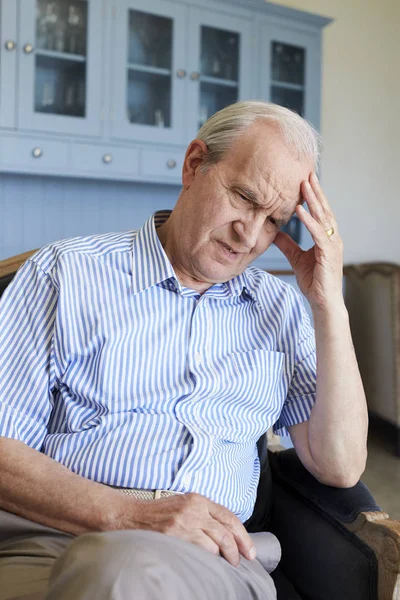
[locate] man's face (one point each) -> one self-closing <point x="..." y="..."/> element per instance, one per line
<point x="233" y="211"/>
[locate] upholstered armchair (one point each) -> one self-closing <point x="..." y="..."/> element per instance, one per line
<point x="337" y="544"/>
<point x="372" y="293"/>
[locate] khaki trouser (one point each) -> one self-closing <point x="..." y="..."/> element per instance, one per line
<point x="41" y="563"/>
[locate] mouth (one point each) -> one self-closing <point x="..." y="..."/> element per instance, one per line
<point x="228" y="251"/>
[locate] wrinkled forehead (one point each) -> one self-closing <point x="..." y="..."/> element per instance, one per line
<point x="264" y="159"/>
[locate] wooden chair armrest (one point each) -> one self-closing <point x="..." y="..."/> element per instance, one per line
<point x="11" y="265"/>
<point x="382" y="535"/>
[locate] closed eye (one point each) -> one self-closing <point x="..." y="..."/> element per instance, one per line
<point x="274" y="222"/>
<point x="247" y="196"/>
<point x="277" y="222"/>
<point x="244" y="198"/>
<point x="248" y="200"/>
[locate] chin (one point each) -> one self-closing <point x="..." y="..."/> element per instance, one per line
<point x="212" y="271"/>
<point x="220" y="276"/>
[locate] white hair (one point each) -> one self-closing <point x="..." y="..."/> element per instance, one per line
<point x="221" y="130"/>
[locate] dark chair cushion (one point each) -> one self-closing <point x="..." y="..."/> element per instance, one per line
<point x="261" y="517"/>
<point x="4" y="281"/>
<point x="284" y="589"/>
<point x="320" y="557"/>
<point x="342" y="504"/>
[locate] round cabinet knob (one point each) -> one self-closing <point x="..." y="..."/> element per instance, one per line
<point x="181" y="73"/>
<point x="171" y="163"/>
<point x="195" y="76"/>
<point x="10" y="45"/>
<point x="37" y="152"/>
<point x="107" y="159"/>
<point x="28" y="48"/>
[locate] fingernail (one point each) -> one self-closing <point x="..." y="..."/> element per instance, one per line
<point x="253" y="553"/>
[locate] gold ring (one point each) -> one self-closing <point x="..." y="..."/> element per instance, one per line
<point x="329" y="231"/>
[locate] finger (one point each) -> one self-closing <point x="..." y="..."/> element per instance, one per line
<point x="320" y="203"/>
<point x="230" y="521"/>
<point x="314" y="205"/>
<point x="204" y="541"/>
<point x="317" y="230"/>
<point x="316" y="186"/>
<point x="225" y="540"/>
<point x="288" y="247"/>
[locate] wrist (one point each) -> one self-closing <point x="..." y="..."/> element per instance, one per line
<point x="334" y="312"/>
<point x="329" y="306"/>
<point x="121" y="512"/>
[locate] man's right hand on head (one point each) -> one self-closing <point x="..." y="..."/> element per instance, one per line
<point x="196" y="519"/>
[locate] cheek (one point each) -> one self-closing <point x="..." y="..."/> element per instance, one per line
<point x="265" y="240"/>
<point x="214" y="224"/>
<point x="202" y="232"/>
<point x="210" y="210"/>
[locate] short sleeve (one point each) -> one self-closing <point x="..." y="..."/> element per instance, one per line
<point x="302" y="391"/>
<point x="27" y="313"/>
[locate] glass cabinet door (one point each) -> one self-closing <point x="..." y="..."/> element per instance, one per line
<point x="149" y="71"/>
<point x="220" y="64"/>
<point x="289" y="70"/>
<point x="60" y="79"/>
<point x="289" y="75"/>
<point x="8" y="62"/>
<point x="287" y="88"/>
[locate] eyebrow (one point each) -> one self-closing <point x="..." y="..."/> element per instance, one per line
<point x="249" y="194"/>
<point x="254" y="199"/>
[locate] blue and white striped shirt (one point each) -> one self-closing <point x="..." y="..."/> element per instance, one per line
<point x="111" y="367"/>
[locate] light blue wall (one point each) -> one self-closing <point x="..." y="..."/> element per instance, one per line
<point x="35" y="211"/>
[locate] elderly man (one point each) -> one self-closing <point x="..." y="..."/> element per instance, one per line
<point x="155" y="359"/>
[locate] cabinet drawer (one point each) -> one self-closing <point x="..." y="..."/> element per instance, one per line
<point x="163" y="164"/>
<point x="33" y="153"/>
<point x="107" y="160"/>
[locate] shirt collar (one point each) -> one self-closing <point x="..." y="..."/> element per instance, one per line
<point x="151" y="265"/>
<point x="240" y="285"/>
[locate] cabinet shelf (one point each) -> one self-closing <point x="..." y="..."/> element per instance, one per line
<point x="218" y="81"/>
<point x="288" y="86"/>
<point x="147" y="76"/>
<point x="61" y="55"/>
<point x="150" y="70"/>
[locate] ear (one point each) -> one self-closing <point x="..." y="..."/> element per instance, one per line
<point x="195" y="154"/>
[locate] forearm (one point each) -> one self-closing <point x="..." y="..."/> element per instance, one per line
<point x="36" y="487"/>
<point x="339" y="420"/>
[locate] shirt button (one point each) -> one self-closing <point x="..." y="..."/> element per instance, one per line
<point x="198" y="358"/>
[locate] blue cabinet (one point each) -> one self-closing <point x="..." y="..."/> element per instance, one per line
<point x="174" y="66"/>
<point x="219" y="63"/>
<point x="148" y="71"/>
<point x="58" y="79"/>
<point x="116" y="89"/>
<point x="290" y="66"/>
<point x="8" y="64"/>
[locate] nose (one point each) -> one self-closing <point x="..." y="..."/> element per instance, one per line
<point x="249" y="229"/>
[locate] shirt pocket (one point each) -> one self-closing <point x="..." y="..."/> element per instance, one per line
<point x="252" y="390"/>
<point x="262" y="361"/>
